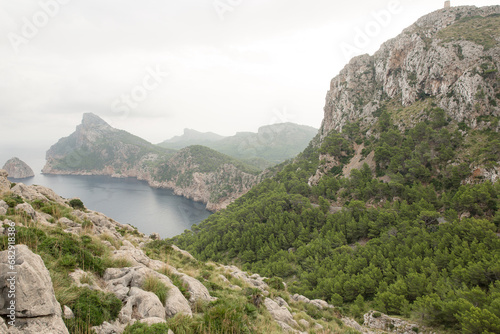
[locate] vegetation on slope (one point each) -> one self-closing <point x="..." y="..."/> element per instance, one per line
<point x="420" y="244"/>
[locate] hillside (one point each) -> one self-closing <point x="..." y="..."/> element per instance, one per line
<point x="394" y="205"/>
<point x="80" y="272"/>
<point x="196" y="172"/>
<point x="271" y="145"/>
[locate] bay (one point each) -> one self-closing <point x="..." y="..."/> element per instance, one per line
<point x="128" y="201"/>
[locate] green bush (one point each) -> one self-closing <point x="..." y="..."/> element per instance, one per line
<point x="77" y="204"/>
<point x="275" y="283"/>
<point x="13" y="200"/>
<point x="153" y="284"/>
<point x="95" y="307"/>
<point x="140" y="328"/>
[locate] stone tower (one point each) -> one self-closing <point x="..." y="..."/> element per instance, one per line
<point x="447" y="4"/>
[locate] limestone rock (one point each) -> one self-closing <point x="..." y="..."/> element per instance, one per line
<point x="183" y="252"/>
<point x="37" y="310"/>
<point x="18" y="169"/>
<point x="4" y="182"/>
<point x="52" y="324"/>
<point x="27" y="209"/>
<point x="109" y="328"/>
<point x="255" y="280"/>
<point x="141" y="304"/>
<point x="280" y="314"/>
<point x="33" y="279"/>
<point x="414" y="64"/>
<point x="389" y="324"/>
<point x="196" y="289"/>
<point x="120" y="280"/>
<point x="304" y="322"/>
<point x="152" y="320"/>
<point x="3" y="207"/>
<point x="68" y="314"/>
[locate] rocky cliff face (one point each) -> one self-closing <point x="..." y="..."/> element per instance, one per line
<point x="451" y="56"/>
<point x="95" y="148"/>
<point x="18" y="169"/>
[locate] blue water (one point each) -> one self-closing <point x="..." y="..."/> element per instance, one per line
<point x="128" y="201"/>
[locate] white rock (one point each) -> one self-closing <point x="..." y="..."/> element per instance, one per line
<point x="67" y="313"/>
<point x="141" y="304"/>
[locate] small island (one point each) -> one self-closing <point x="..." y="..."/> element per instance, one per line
<point x="18" y="169"/>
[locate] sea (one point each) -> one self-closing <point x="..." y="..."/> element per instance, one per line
<point x="128" y="201"/>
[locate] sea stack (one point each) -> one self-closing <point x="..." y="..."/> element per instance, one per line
<point x="18" y="169"/>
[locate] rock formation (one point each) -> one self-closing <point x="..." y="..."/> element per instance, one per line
<point x="431" y="58"/>
<point x="36" y="309"/>
<point x="18" y="169"/>
<point x="4" y="182"/>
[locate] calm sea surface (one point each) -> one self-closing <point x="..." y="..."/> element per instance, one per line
<point x="128" y="201"/>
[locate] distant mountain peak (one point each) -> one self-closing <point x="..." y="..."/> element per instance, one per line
<point x="91" y="120"/>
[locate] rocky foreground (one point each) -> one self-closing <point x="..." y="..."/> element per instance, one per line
<point x="38" y="310"/>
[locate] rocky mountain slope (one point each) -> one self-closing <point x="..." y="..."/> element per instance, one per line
<point x="198" y="173"/>
<point x="395" y="204"/>
<point x="18" y="169"/>
<point x="78" y="271"/>
<point x="450" y="55"/>
<point x="271" y="145"/>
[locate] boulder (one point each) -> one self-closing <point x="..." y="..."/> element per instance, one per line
<point x="109" y="328"/>
<point x="152" y="321"/>
<point x="35" y="294"/>
<point x="68" y="314"/>
<point x="390" y="324"/>
<point x="120" y="280"/>
<point x="141" y="304"/>
<point x="36" y="307"/>
<point x="280" y="314"/>
<point x="3" y="207"/>
<point x="183" y="252"/>
<point x="196" y="289"/>
<point x="28" y="209"/>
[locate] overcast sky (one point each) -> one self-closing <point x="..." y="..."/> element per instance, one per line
<point x="155" y="67"/>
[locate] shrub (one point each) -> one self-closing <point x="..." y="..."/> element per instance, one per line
<point x="153" y="284"/>
<point x="275" y="283"/>
<point x="376" y="314"/>
<point x="13" y="200"/>
<point x="140" y="328"/>
<point x="77" y="204"/>
<point x="95" y="307"/>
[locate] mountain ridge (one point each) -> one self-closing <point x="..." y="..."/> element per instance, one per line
<point x="96" y="148"/>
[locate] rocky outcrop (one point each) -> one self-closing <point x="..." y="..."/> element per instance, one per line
<point x="36" y="309"/>
<point x="282" y="316"/>
<point x="425" y="60"/>
<point x="377" y="320"/>
<point x="141" y="304"/>
<point x="18" y="169"/>
<point x="121" y="280"/>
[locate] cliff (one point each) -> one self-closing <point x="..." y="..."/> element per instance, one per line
<point x="18" y="169"/>
<point x="96" y="148"/>
<point x="451" y="55"/>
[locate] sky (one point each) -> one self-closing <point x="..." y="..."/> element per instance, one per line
<point x="155" y="67"/>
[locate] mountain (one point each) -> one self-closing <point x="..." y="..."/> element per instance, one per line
<point x="394" y="205"/>
<point x="271" y="145"/>
<point x="191" y="137"/>
<point x="78" y="271"/>
<point x="196" y="172"/>
<point x="18" y="169"/>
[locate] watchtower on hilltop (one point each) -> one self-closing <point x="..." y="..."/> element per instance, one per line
<point x="447" y="4"/>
